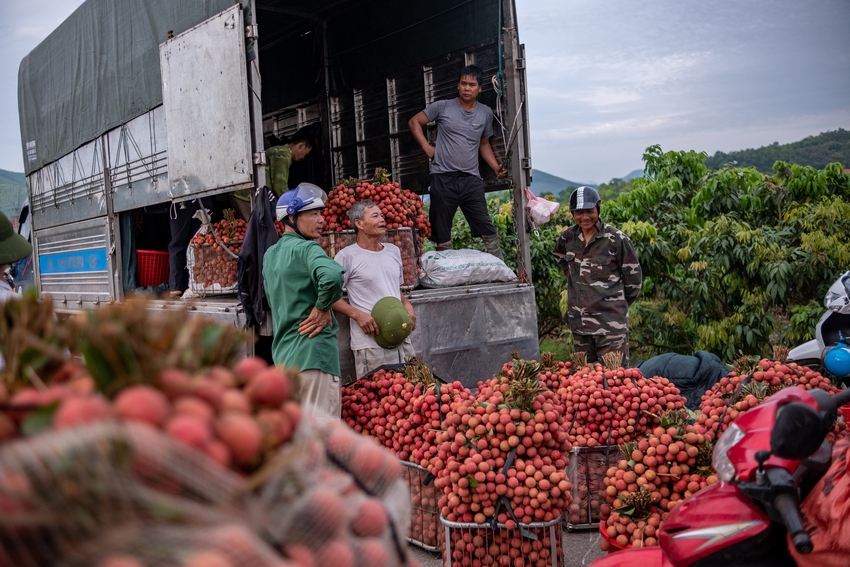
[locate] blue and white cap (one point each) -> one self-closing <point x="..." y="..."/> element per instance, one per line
<point x="584" y="197"/>
<point x="305" y="197"/>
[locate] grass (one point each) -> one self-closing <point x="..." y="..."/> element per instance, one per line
<point x="561" y="347"/>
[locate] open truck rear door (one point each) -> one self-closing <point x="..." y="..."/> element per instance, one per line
<point x="205" y="96"/>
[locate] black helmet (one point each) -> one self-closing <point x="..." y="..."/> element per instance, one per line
<point x="584" y="197"/>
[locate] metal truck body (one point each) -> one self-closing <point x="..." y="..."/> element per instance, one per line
<point x="132" y="106"/>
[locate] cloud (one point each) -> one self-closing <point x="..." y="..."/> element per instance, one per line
<point x="625" y="127"/>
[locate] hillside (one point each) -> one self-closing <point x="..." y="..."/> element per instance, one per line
<point x="13" y="192"/>
<point x="543" y="182"/>
<point x="816" y="151"/>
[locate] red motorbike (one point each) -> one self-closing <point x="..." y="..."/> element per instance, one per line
<point x="768" y="460"/>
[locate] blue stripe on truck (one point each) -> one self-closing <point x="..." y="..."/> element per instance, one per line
<point x="73" y="262"/>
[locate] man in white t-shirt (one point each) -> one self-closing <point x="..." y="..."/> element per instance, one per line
<point x="373" y="270"/>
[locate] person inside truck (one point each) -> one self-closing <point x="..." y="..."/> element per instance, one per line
<point x="183" y="225"/>
<point x="603" y="279"/>
<point x="373" y="270"/>
<point x="279" y="158"/>
<point x="302" y="283"/>
<point x="464" y="128"/>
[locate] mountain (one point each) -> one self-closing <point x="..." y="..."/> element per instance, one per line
<point x="543" y="182"/>
<point x="13" y="192"/>
<point x="816" y="151"/>
<point x="633" y="175"/>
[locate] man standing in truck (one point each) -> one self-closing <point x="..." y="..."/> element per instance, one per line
<point x="603" y="279"/>
<point x="464" y="128"/>
<point x="301" y="285"/>
<point x="373" y="271"/>
<point x="279" y="158"/>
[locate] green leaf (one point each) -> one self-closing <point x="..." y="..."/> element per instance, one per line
<point x="39" y="420"/>
<point x="472" y="482"/>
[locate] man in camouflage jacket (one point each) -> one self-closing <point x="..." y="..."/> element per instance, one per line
<point x="603" y="279"/>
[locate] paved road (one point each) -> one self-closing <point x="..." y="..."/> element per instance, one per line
<point x="580" y="548"/>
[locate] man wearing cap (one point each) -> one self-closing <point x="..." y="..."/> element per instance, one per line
<point x="603" y="279"/>
<point x="373" y="275"/>
<point x="301" y="285"/>
<point x="13" y="247"/>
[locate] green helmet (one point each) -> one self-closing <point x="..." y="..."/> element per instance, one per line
<point x="394" y="324"/>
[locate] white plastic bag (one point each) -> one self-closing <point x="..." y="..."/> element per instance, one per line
<point x="451" y="268"/>
<point x="542" y="210"/>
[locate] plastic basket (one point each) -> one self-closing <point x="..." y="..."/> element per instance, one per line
<point x="425" y="528"/>
<point x="212" y="269"/>
<point x="482" y="544"/>
<point x="586" y="473"/>
<point x="845" y="411"/>
<point x="614" y="546"/>
<point x="153" y="267"/>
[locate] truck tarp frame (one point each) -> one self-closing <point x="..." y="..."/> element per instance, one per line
<point x="98" y="70"/>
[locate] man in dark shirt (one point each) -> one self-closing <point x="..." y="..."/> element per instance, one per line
<point x="464" y="128"/>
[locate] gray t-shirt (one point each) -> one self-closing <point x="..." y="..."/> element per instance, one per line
<point x="459" y="134"/>
<point x="370" y="276"/>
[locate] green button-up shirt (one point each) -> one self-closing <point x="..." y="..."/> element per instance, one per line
<point x="298" y="276"/>
<point x="279" y="159"/>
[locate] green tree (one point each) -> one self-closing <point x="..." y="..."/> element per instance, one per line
<point x="730" y="254"/>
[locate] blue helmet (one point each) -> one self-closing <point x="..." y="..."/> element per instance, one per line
<point x="837" y="360"/>
<point x="305" y="197"/>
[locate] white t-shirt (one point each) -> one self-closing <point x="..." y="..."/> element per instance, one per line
<point x="369" y="277"/>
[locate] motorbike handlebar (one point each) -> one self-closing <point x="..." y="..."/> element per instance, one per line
<point x="841" y="398"/>
<point x="787" y="507"/>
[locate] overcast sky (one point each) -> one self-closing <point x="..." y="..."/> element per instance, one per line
<point x="607" y="78"/>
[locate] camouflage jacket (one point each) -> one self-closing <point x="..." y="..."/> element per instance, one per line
<point x="603" y="279"/>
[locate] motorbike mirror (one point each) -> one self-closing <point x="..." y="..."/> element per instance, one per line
<point x="798" y="432"/>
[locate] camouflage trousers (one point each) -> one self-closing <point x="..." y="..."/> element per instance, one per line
<point x="598" y="345"/>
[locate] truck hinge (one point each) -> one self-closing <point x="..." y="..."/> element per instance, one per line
<point x="520" y="64"/>
<point x="252" y="31"/>
<point x="526" y="163"/>
<point x="260" y="158"/>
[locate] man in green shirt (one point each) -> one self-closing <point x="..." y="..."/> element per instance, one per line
<point x="279" y="159"/>
<point x="302" y="283"/>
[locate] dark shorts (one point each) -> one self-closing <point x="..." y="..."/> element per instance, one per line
<point x="596" y="346"/>
<point x="450" y="191"/>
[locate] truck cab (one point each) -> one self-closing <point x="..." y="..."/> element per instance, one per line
<point x="130" y="108"/>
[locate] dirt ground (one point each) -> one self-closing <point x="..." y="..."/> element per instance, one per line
<point x="580" y="548"/>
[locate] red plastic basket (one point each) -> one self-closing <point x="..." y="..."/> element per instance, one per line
<point x="153" y="267"/>
<point x="845" y="410"/>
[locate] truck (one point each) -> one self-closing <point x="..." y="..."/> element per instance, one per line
<point x="131" y="107"/>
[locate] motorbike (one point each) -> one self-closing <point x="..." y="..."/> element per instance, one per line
<point x="832" y="333"/>
<point x="767" y="461"/>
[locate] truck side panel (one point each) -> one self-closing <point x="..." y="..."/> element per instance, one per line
<point x="137" y="157"/>
<point x="74" y="263"/>
<point x="70" y="189"/>
<point x="465" y="334"/>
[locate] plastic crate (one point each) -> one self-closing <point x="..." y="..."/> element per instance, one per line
<point x="425" y="528"/>
<point x="152" y="267"/>
<point x="482" y="544"/>
<point x="586" y="471"/>
<point x="845" y="411"/>
<point x="404" y="238"/>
